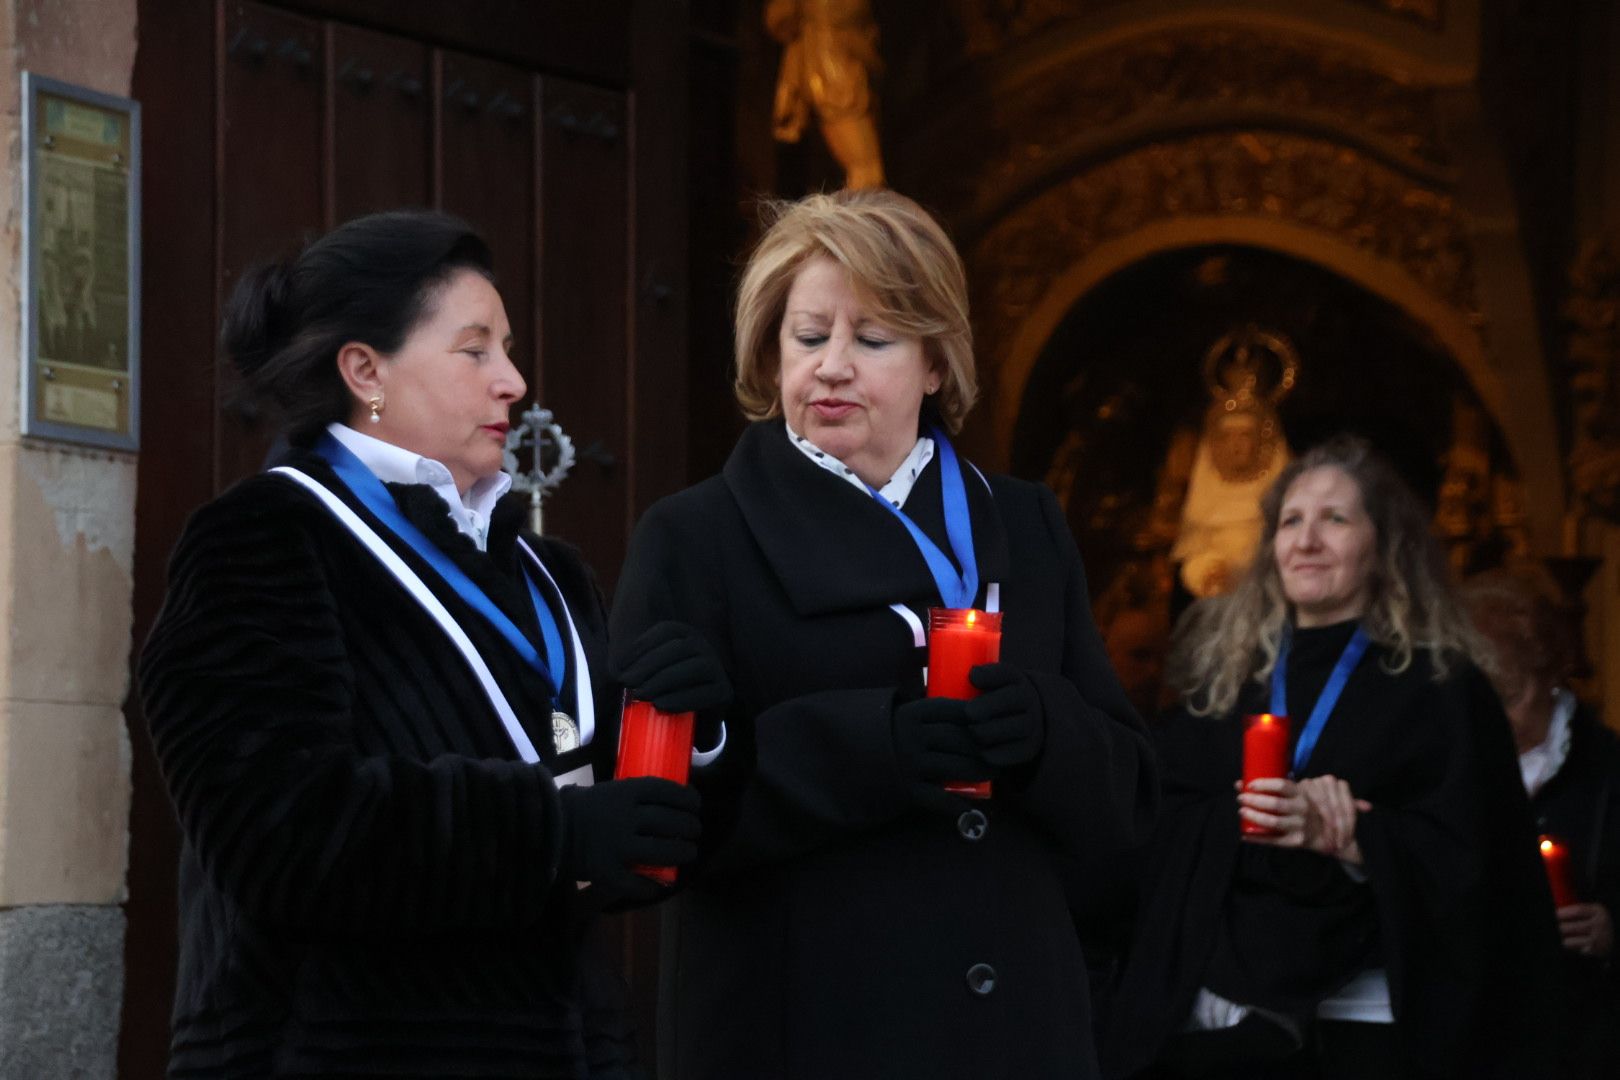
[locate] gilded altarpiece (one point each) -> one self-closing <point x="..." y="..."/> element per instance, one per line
<point x="1247" y="148"/>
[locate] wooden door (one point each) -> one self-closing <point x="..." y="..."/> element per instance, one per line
<point x="554" y="128"/>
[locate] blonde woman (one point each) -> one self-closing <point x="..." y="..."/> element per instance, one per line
<point x="1369" y="934"/>
<point x="848" y="917"/>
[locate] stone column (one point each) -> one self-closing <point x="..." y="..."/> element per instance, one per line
<point x="67" y="521"/>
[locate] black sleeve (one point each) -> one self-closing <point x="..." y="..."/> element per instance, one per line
<point x="248" y="693"/>
<point x="792" y="776"/>
<point x="1464" y="907"/>
<point x="1181" y="880"/>
<point x="1601" y="810"/>
<point x="1096" y="784"/>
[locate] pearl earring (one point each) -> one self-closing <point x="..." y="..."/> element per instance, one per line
<point x="376" y="404"/>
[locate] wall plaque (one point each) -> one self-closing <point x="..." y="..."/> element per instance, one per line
<point x="81" y="264"/>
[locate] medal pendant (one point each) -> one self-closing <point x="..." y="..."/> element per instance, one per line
<point x="564" y="732"/>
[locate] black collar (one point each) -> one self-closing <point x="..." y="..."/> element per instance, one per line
<point x="833" y="548"/>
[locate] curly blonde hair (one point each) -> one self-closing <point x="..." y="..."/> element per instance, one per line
<point x="1221" y="643"/>
<point x="896" y="255"/>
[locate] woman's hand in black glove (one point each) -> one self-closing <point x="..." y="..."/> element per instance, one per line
<point x="642" y="821"/>
<point x="933" y="743"/>
<point x="672" y="666"/>
<point x="1006" y="721"/>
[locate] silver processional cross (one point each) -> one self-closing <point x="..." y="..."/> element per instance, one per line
<point x="542" y="436"/>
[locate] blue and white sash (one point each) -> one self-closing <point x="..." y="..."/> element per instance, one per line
<point x="418" y="589"/>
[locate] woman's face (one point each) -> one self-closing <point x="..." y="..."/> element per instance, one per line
<point x="1324" y="547"/>
<point x="446" y="391"/>
<point x="849" y="384"/>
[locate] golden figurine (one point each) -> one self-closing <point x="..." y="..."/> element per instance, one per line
<point x="829" y="57"/>
<point x="1240" y="452"/>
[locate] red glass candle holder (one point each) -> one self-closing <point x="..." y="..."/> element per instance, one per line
<point x="654" y="743"/>
<point x="959" y="639"/>
<point x="1265" y="757"/>
<point x="1555" y="857"/>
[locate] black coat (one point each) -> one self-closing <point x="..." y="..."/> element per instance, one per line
<point x="1580" y="805"/>
<point x="833" y="925"/>
<point x="1455" y="907"/>
<point x="371" y="879"/>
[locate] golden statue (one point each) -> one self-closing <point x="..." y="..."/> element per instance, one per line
<point x="1240" y="452"/>
<point x="829" y="56"/>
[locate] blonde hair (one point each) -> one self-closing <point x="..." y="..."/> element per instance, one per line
<point x="896" y="255"/>
<point x="1224" y="641"/>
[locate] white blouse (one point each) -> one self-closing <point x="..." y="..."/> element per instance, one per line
<point x="896" y="490"/>
<point x="1541" y="762"/>
<point x="397" y="465"/>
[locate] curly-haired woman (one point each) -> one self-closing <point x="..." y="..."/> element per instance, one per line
<point x="1390" y="919"/>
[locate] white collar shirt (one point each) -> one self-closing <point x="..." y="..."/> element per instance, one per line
<point x="397" y="465"/>
<point x="1541" y="762"/>
<point x="896" y="490"/>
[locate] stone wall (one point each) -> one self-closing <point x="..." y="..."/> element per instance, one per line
<point x="66" y="555"/>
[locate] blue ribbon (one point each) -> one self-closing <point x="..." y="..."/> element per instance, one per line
<point x="371" y="492"/>
<point x="1329" y="697"/>
<point x="956" y="590"/>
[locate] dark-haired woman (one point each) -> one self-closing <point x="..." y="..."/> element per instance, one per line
<point x="380" y="706"/>
<point x="1395" y="922"/>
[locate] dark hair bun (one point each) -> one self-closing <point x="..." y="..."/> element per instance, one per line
<point x="368" y="280"/>
<point x="253" y="327"/>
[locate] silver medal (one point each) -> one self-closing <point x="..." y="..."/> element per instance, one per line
<point x="564" y="732"/>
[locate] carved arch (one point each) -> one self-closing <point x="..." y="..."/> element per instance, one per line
<point x="1300" y="195"/>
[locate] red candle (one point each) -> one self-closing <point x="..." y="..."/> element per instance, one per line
<point x="1265" y="756"/>
<point x="654" y="743"/>
<point x="958" y="640"/>
<point x="1555" y="857"/>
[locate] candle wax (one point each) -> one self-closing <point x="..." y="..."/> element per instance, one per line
<point x="952" y="654"/>
<point x="1265" y="756"/>
<point x="655" y="743"/>
<point x="1555" y="857"/>
<point x="958" y="641"/>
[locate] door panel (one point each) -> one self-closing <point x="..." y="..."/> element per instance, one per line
<point x="487" y="167"/>
<point x="382" y="123"/>
<point x="175" y="469"/>
<point x="584" y="38"/>
<point x="584" y="245"/>
<point x="269" y="193"/>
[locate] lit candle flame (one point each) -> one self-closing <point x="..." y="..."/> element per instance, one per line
<point x="1547" y="847"/>
<point x="972" y="616"/>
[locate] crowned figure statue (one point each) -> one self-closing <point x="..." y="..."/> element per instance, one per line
<point x="1240" y="451"/>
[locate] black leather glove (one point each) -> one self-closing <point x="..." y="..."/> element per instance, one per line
<point x="932" y="741"/>
<point x="642" y="821"/>
<point x="674" y="667"/>
<point x="1006" y="721"/>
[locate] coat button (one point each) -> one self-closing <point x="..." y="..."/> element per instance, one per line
<point x="981" y="979"/>
<point x="972" y="825"/>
